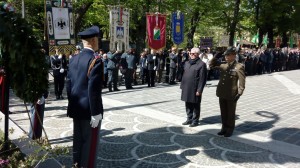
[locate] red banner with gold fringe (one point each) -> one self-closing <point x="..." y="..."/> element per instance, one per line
<point x="156" y="31"/>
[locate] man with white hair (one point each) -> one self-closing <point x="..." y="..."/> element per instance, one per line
<point x="192" y="85"/>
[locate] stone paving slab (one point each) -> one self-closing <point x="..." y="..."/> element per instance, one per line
<point x="132" y="136"/>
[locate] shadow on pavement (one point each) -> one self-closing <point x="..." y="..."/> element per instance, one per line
<point x="175" y="147"/>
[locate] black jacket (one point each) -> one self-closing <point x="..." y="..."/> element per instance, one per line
<point x="193" y="80"/>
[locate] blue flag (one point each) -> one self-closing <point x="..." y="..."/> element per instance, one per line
<point x="177" y="27"/>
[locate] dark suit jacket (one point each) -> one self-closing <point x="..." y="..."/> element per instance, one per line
<point x="193" y="80"/>
<point x="84" y="92"/>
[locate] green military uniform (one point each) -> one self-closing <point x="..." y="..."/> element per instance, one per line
<point x="231" y="85"/>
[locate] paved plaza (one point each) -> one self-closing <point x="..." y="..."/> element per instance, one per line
<point x="142" y="127"/>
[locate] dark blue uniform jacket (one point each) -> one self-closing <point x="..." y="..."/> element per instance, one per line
<point x="84" y="93"/>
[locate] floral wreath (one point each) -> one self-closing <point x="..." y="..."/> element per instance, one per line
<point x="21" y="50"/>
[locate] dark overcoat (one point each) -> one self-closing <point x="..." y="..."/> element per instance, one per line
<point x="84" y="92"/>
<point x="193" y="80"/>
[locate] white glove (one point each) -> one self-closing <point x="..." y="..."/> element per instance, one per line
<point x="95" y="120"/>
<point x="154" y="68"/>
<point x="61" y="70"/>
<point x="60" y="56"/>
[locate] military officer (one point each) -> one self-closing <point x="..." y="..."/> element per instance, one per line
<point x="230" y="87"/>
<point x="85" y="101"/>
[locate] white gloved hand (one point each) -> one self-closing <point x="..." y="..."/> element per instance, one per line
<point x="95" y="120"/>
<point x="60" y="56"/>
<point x="154" y="68"/>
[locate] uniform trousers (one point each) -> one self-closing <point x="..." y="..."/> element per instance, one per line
<point x="192" y="111"/>
<point x="227" y="108"/>
<point x="85" y="143"/>
<point x="112" y="78"/>
<point x="129" y="78"/>
<point x="59" y="82"/>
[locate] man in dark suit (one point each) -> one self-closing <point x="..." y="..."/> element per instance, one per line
<point x="230" y="87"/>
<point x="173" y="66"/>
<point x="85" y="101"/>
<point x="192" y="85"/>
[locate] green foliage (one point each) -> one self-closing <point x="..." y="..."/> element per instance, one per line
<point x="21" y="48"/>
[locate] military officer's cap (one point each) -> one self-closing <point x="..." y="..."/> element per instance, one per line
<point x="230" y="50"/>
<point x="89" y="32"/>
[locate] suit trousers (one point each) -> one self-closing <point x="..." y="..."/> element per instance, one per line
<point x="151" y="78"/>
<point x="192" y="111"/>
<point x="172" y="75"/>
<point x="227" y="108"/>
<point x="85" y="143"/>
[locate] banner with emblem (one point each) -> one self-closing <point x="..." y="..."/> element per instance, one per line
<point x="224" y="41"/>
<point x="177" y="27"/>
<point x="156" y="30"/>
<point x="119" y="28"/>
<point x="60" y="22"/>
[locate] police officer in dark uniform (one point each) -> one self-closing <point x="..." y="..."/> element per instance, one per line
<point x="113" y="69"/>
<point x="85" y="101"/>
<point x="59" y="67"/>
<point x="230" y="87"/>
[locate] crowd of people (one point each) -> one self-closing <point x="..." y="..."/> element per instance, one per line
<point x="151" y="67"/>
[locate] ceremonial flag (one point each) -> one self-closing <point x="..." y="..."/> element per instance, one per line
<point x="291" y="41"/>
<point x="119" y="18"/>
<point x="255" y="38"/>
<point x="156" y="30"/>
<point x="177" y="27"/>
<point x="265" y="40"/>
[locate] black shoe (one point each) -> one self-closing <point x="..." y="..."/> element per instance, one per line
<point x="187" y="122"/>
<point x="61" y="97"/>
<point x="57" y="97"/>
<point x="221" y="133"/>
<point x="194" y="125"/>
<point x="116" y="89"/>
<point x="227" y="135"/>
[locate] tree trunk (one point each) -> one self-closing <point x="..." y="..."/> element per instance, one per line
<point x="194" y="22"/>
<point x="284" y="39"/>
<point x="270" y="37"/>
<point x="234" y="21"/>
<point x="80" y="12"/>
